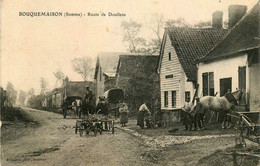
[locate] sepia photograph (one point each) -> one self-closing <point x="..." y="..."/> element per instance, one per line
<point x="130" y="83"/>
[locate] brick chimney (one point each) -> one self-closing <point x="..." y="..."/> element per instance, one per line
<point x="217" y="19"/>
<point x="235" y="13"/>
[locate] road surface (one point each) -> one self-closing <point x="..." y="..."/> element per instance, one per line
<point x="51" y="140"/>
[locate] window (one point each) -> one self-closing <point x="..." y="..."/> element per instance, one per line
<point x="169" y="76"/>
<point x="208" y="84"/>
<point x="170" y="56"/>
<point x="166" y="99"/>
<point x="187" y="96"/>
<point x="242" y="78"/>
<point x="173" y="98"/>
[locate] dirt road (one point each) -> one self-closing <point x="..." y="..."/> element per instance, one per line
<point x="51" y="140"/>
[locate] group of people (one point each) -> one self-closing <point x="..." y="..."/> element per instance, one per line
<point x="87" y="106"/>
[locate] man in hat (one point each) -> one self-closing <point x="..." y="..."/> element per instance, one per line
<point x="88" y="103"/>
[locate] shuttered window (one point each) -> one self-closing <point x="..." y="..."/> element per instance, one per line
<point x="208" y="84"/>
<point x="174" y="99"/>
<point x="242" y="78"/>
<point x="166" y="99"/>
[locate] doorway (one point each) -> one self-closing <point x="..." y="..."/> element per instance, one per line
<point x="225" y="85"/>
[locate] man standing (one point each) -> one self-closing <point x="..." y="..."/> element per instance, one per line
<point x="143" y="110"/>
<point x="88" y="103"/>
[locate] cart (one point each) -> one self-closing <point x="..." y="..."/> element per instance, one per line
<point x="87" y="125"/>
<point x="247" y="127"/>
<point x="96" y="123"/>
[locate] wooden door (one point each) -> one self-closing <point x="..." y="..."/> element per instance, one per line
<point x="225" y="85"/>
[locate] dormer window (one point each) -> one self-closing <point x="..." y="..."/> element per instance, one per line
<point x="170" y="56"/>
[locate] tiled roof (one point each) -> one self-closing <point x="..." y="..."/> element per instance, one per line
<point x="243" y="36"/>
<point x="191" y="44"/>
<point x="137" y="66"/>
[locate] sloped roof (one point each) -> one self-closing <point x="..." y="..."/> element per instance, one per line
<point x="108" y="62"/>
<point x="243" y="36"/>
<point x="137" y="66"/>
<point x="78" y="88"/>
<point x="190" y="44"/>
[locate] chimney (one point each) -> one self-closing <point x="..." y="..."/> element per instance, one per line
<point x="217" y="19"/>
<point x="235" y="13"/>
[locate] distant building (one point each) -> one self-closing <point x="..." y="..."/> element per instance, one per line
<point x="105" y="72"/>
<point x="136" y="75"/>
<point x="69" y="89"/>
<point x="234" y="62"/>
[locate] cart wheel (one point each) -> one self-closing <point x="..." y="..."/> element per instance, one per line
<point x="113" y="128"/>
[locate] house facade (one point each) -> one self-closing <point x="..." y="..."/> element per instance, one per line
<point x="234" y="62"/>
<point x="180" y="47"/>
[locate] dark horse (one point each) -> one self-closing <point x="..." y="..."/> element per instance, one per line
<point x="87" y="107"/>
<point x="219" y="104"/>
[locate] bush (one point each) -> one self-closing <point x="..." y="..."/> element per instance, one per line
<point x="12" y="114"/>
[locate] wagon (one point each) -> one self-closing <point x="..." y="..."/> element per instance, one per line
<point x="68" y="105"/>
<point x="114" y="98"/>
<point x="247" y="127"/>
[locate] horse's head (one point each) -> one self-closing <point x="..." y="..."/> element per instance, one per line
<point x="237" y="95"/>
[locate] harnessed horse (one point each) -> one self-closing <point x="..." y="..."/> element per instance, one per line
<point x="219" y="104"/>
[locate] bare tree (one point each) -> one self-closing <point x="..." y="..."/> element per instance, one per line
<point x="157" y="27"/>
<point x="43" y="84"/>
<point x="59" y="75"/>
<point x="180" y="22"/>
<point x="83" y="66"/>
<point x="203" y="24"/>
<point x="131" y="31"/>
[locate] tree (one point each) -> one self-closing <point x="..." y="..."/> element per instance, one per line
<point x="157" y="28"/>
<point x="203" y="24"/>
<point x="31" y="92"/>
<point x="131" y="32"/>
<point x="59" y="75"/>
<point x="43" y="84"/>
<point x="22" y="97"/>
<point x="83" y="66"/>
<point x="11" y="94"/>
<point x="180" y="22"/>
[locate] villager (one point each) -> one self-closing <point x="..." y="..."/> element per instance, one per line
<point x="143" y="112"/>
<point x="123" y="111"/>
<point x="187" y="116"/>
<point x="87" y="102"/>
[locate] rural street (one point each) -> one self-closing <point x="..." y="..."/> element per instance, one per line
<point x="54" y="142"/>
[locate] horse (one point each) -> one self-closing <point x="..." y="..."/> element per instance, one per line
<point x="219" y="104"/>
<point x="87" y="107"/>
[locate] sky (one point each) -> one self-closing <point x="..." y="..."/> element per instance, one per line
<point x="35" y="47"/>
